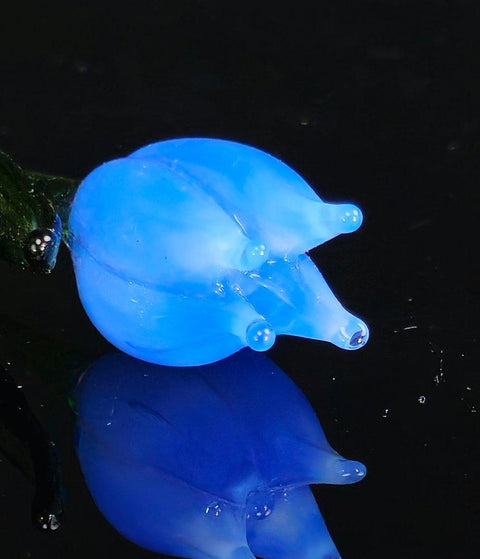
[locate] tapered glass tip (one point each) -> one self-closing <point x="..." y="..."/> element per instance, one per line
<point x="351" y="217"/>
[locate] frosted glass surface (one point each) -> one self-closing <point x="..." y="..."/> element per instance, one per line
<point x="188" y="250"/>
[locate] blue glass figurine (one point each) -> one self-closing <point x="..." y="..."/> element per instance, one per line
<point x="207" y="462"/>
<point x="188" y="250"/>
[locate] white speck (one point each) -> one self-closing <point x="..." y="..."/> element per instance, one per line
<point x="19" y="386"/>
<point x="109" y="423"/>
<point x="468" y="387"/>
<point x="214" y="509"/>
<point x="422" y="399"/>
<point x="47" y="238"/>
<point x="38" y="241"/>
<point x="385" y="412"/>
<point x="411" y="327"/>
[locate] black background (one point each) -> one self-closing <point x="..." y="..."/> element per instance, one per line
<point x="376" y="103"/>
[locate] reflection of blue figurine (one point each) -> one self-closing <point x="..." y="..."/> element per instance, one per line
<point x="188" y="250"/>
<point x="207" y="462"/>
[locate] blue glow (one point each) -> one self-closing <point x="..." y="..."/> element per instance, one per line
<point x="189" y="250"/>
<point x="207" y="462"/>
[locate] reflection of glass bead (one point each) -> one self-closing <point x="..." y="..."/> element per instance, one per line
<point x="154" y="235"/>
<point x="210" y="461"/>
<point x="213" y="509"/>
<point x="260" y="504"/>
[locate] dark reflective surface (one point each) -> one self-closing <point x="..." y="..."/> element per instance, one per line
<point x="211" y="451"/>
<point x="378" y="106"/>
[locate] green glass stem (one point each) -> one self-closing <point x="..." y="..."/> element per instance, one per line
<point x="30" y="201"/>
<point x="59" y="191"/>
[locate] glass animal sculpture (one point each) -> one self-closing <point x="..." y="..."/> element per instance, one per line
<point x="207" y="462"/>
<point x="188" y="250"/>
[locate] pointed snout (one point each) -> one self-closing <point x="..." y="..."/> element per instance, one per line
<point x="329" y="467"/>
<point x="345" y="471"/>
<point x="327" y="221"/>
<point x="319" y="315"/>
